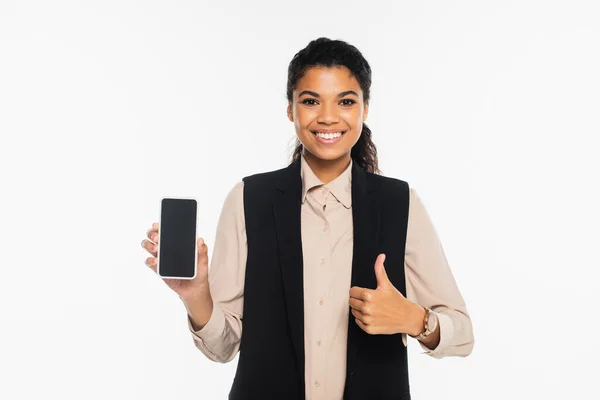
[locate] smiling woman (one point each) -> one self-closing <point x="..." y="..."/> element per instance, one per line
<point x="331" y="115"/>
<point x="328" y="93"/>
<point x="327" y="264"/>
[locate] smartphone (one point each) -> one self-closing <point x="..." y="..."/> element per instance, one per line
<point x="177" y="245"/>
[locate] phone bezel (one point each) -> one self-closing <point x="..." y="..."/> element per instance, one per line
<point x="160" y="240"/>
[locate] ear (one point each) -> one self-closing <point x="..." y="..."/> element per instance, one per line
<point x="290" y="115"/>
<point x="365" y="112"/>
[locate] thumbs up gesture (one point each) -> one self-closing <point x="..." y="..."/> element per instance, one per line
<point x="385" y="310"/>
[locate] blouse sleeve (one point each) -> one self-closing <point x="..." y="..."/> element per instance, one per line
<point x="430" y="282"/>
<point x="220" y="338"/>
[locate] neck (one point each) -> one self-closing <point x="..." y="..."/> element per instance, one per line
<point x="327" y="170"/>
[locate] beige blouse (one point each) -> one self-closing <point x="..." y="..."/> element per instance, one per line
<point x="327" y="238"/>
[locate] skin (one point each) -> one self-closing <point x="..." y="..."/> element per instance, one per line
<point x="324" y="98"/>
<point x="385" y="310"/>
<point x="327" y="98"/>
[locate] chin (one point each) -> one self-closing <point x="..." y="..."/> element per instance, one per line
<point x="326" y="154"/>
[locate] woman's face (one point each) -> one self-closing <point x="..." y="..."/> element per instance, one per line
<point x="328" y="100"/>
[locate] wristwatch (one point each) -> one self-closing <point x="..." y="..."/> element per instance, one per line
<point x="430" y="322"/>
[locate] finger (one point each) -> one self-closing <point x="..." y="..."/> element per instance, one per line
<point x="155" y="226"/>
<point x="367" y="328"/>
<point x="202" y="253"/>
<point x="360" y="323"/>
<point x="367" y="295"/>
<point x="359" y="315"/>
<point x="356" y="304"/>
<point x="363" y="294"/>
<point x="152" y="235"/>
<point x="356" y="292"/>
<point x="150" y="247"/>
<point x="202" y="248"/>
<point x="151" y="262"/>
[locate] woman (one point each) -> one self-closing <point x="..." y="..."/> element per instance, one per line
<point x="328" y="263"/>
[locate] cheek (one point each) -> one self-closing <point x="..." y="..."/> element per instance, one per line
<point x="304" y="119"/>
<point x="352" y="117"/>
<point x="356" y="118"/>
<point x="305" y="116"/>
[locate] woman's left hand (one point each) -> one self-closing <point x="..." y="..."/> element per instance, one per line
<point x="385" y="310"/>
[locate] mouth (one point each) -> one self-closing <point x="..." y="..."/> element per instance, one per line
<point x="328" y="137"/>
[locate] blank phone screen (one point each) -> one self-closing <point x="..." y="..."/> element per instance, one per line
<point x="177" y="238"/>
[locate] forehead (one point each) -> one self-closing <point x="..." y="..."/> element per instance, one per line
<point x="328" y="80"/>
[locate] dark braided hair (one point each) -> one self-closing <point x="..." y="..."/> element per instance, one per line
<point x="324" y="52"/>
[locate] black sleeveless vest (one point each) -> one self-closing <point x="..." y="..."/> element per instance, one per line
<point x="271" y="361"/>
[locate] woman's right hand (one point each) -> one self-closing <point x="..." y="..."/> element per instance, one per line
<point x="187" y="289"/>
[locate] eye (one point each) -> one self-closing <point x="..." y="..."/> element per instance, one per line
<point x="305" y="101"/>
<point x="350" y="102"/>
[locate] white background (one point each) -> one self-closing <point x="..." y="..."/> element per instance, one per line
<point x="488" y="109"/>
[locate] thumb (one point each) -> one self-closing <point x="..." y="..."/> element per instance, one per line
<point x="202" y="253"/>
<point x="382" y="278"/>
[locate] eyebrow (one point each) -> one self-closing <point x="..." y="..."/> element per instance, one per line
<point x="315" y="94"/>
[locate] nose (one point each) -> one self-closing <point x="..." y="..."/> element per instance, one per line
<point x="328" y="115"/>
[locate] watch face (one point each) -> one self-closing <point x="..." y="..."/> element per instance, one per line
<point x="432" y="321"/>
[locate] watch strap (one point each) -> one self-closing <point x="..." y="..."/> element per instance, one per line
<point x="426" y="328"/>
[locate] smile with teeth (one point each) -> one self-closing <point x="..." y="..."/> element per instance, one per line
<point x="329" y="136"/>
